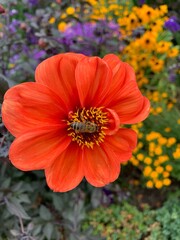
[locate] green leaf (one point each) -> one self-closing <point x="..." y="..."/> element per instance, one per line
<point x="48" y="230"/>
<point x="45" y="213"/>
<point x="16" y="209"/>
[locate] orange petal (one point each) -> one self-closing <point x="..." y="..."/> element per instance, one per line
<point x="114" y="122"/>
<point x="67" y="170"/>
<point x="38" y="149"/>
<point x="130" y="104"/>
<point x="93" y="77"/>
<point x="58" y="73"/>
<point x="101" y="166"/>
<point x="29" y="105"/>
<point x="122" y="143"/>
<point x="122" y="74"/>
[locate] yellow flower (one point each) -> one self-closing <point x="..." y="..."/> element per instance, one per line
<point x="70" y="10"/>
<point x="62" y="26"/>
<point x="154" y="174"/>
<point x="178" y="121"/>
<point x="162" y="140"/>
<point x="169" y="168"/>
<point x="149" y="184"/>
<point x="140" y="156"/>
<point x="158" y="184"/>
<point x="159" y="169"/>
<point x="64" y="15"/>
<point x="166" y="181"/>
<point x="170" y="141"/>
<point x="167" y="129"/>
<point x="147" y="160"/>
<point x="147" y="171"/>
<point x="176" y="154"/>
<point x="148" y="41"/>
<point x="164" y="95"/>
<point x="52" y="20"/>
<point x="157" y="162"/>
<point x="134" y="161"/>
<point x="170" y="105"/>
<point x="157" y="65"/>
<point x="173" y="52"/>
<point x="146" y="14"/>
<point x="163" y="46"/>
<point x="158" y="150"/>
<point x="163" y="9"/>
<point x="165" y="174"/>
<point x="159" y="109"/>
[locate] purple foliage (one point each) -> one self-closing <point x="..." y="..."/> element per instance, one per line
<point x="141" y="2"/>
<point x="33" y="2"/>
<point x="87" y="37"/>
<point x="172" y="24"/>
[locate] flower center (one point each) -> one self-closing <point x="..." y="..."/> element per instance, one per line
<point x="87" y="126"/>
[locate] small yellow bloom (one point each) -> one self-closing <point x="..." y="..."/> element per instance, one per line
<point x="171" y="141"/>
<point x="158" y="150"/>
<point x="52" y="20"/>
<point x="173" y="52"/>
<point x="147" y="160"/>
<point x="140" y="156"/>
<point x="163" y="47"/>
<point x="158" y="184"/>
<point x="169" y="168"/>
<point x="62" y="26"/>
<point x="163" y="9"/>
<point x="165" y="174"/>
<point x="154" y="174"/>
<point x="164" y="95"/>
<point x="70" y="10"/>
<point x="63" y="16"/>
<point x="157" y="66"/>
<point x="147" y="171"/>
<point x="162" y="140"/>
<point x="159" y="169"/>
<point x="167" y="129"/>
<point x="166" y="181"/>
<point x="178" y="121"/>
<point x="170" y="106"/>
<point x="149" y="184"/>
<point x="159" y="109"/>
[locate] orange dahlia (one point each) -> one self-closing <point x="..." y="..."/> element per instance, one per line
<point x="70" y="121"/>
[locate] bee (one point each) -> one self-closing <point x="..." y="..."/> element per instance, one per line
<point x="84" y="127"/>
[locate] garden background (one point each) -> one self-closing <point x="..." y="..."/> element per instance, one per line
<point x="143" y="204"/>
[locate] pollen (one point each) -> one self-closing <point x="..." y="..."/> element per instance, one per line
<point x="87" y="127"/>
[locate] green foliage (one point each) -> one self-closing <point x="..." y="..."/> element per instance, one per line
<point x="122" y="221"/>
<point x="125" y="221"/>
<point x="168" y="217"/>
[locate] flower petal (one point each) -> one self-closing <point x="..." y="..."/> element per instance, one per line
<point x="38" y="149"/>
<point x="29" y="105"/>
<point x="101" y="166"/>
<point x="122" y="143"/>
<point x="130" y="104"/>
<point x="67" y="170"/>
<point x="114" y="122"/>
<point x="122" y="73"/>
<point x="93" y="77"/>
<point x="58" y="73"/>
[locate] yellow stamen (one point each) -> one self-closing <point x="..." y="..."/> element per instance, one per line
<point x="86" y="126"/>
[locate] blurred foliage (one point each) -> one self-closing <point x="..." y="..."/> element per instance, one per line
<point x="125" y="221"/>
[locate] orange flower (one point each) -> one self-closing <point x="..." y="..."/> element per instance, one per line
<point x="68" y="121"/>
